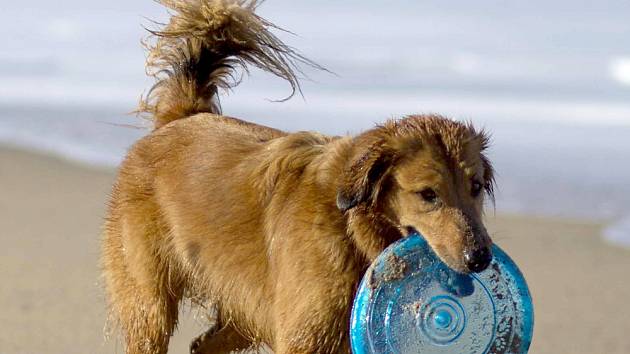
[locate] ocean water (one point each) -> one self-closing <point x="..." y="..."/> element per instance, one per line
<point x="549" y="80"/>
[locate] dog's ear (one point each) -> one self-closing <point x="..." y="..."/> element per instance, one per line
<point x="488" y="176"/>
<point x="488" y="170"/>
<point x="362" y="180"/>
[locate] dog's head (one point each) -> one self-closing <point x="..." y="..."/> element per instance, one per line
<point x="425" y="173"/>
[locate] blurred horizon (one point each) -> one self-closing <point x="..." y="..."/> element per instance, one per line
<point x="549" y="80"/>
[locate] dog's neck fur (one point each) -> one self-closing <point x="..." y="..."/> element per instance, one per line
<point x="371" y="231"/>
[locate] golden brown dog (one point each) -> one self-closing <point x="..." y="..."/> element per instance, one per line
<point x="272" y="230"/>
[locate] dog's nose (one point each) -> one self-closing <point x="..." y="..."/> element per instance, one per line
<point x="478" y="260"/>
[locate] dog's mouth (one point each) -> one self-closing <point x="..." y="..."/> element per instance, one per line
<point x="453" y="264"/>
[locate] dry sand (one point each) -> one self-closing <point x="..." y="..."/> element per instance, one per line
<point x="51" y="300"/>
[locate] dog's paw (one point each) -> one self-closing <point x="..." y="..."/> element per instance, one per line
<point x="196" y="347"/>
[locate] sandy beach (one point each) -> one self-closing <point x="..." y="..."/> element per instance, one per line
<point x="51" y="299"/>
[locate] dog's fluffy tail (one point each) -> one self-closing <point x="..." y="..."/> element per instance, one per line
<point x="198" y="51"/>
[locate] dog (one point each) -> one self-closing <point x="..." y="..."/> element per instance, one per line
<point x="271" y="231"/>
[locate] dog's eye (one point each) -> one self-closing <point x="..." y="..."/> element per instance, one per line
<point x="476" y="188"/>
<point x="428" y="195"/>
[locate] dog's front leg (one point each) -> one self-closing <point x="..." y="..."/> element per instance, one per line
<point x="320" y="342"/>
<point x="315" y="318"/>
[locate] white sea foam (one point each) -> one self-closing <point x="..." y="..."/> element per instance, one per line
<point x="620" y="70"/>
<point x="619" y="232"/>
<point x="91" y="135"/>
<point x="63" y="147"/>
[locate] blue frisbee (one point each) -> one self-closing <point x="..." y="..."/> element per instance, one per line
<point x="409" y="301"/>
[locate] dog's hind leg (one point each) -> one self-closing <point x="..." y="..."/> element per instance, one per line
<point x="220" y="339"/>
<point x="142" y="286"/>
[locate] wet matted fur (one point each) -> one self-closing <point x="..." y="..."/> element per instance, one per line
<point x="274" y="230"/>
